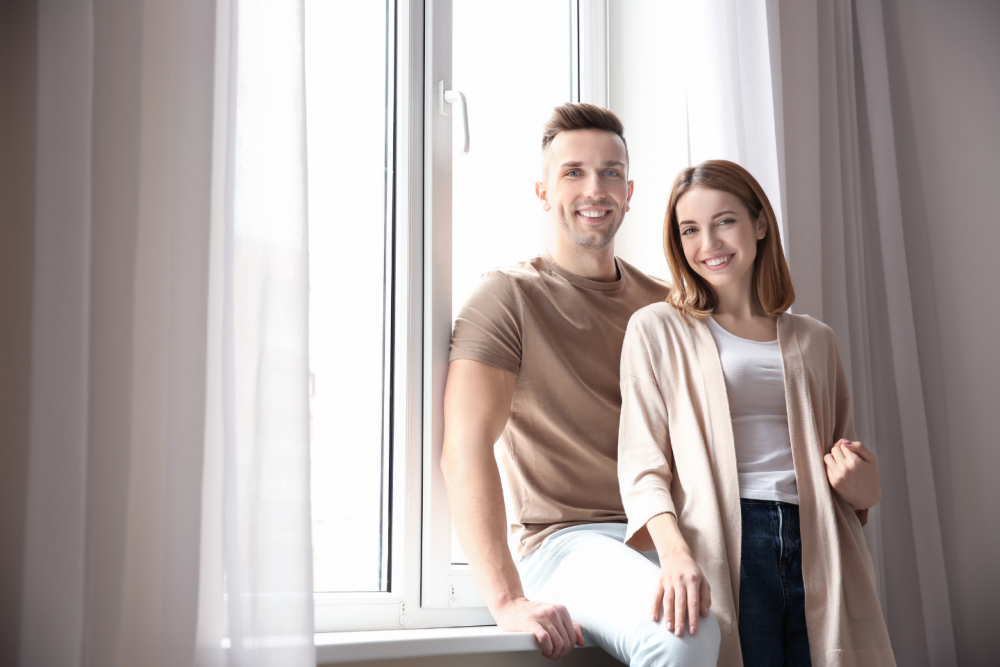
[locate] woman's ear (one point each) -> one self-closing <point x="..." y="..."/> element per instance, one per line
<point x="761" y="225"/>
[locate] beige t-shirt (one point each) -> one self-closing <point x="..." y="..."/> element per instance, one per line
<point x="562" y="336"/>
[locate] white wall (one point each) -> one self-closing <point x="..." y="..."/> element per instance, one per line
<point x="944" y="68"/>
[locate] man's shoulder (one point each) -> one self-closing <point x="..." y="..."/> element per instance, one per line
<point x="517" y="276"/>
<point x="643" y="281"/>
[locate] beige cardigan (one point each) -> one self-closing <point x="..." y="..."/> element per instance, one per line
<point x="676" y="454"/>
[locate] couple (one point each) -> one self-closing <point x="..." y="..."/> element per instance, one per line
<point x="680" y="458"/>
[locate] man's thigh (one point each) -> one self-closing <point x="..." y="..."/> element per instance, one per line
<point x="608" y="588"/>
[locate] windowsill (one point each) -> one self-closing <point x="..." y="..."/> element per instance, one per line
<point x="333" y="647"/>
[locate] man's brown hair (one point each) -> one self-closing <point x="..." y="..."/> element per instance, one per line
<point x="689" y="292"/>
<point x="582" y="116"/>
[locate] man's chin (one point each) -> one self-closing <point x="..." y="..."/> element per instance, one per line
<point x="592" y="240"/>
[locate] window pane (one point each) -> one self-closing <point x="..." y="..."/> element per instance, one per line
<point x="512" y="61"/>
<point x="346" y="88"/>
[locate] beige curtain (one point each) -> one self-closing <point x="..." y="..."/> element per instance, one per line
<point x="845" y="244"/>
<point x="167" y="519"/>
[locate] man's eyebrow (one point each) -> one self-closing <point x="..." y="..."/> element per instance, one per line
<point x="577" y="163"/>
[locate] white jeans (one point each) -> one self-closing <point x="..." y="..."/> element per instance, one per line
<point x="608" y="588"/>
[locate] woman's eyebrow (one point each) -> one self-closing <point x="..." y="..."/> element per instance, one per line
<point x="722" y="213"/>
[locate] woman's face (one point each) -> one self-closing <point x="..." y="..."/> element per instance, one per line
<point x="719" y="237"/>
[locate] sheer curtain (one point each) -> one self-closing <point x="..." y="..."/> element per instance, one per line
<point x="257" y="530"/>
<point x="168" y="485"/>
<point x="691" y="82"/>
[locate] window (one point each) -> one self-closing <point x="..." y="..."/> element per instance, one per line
<point x="423" y="223"/>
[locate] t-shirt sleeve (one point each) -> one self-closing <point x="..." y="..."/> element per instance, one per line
<point x="488" y="327"/>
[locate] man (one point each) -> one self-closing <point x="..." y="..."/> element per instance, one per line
<point x="535" y="358"/>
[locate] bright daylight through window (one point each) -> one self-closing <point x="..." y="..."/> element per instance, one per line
<point x="512" y="72"/>
<point x="348" y="149"/>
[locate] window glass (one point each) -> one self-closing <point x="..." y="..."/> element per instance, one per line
<point x="346" y="121"/>
<point x="512" y="61"/>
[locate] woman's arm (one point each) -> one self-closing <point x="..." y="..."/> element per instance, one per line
<point x="645" y="472"/>
<point x="682" y="588"/>
<point x="851" y="468"/>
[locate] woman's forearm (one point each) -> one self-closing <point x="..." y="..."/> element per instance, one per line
<point x="667" y="536"/>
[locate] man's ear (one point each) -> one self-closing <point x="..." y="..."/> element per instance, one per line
<point x="628" y="199"/>
<point x="542" y="193"/>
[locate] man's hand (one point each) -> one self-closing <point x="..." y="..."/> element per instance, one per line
<point x="477" y="402"/>
<point x="683" y="592"/>
<point x="852" y="470"/>
<point x="551" y="624"/>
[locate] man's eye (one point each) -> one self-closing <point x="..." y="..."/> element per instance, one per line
<point x="611" y="172"/>
<point x="573" y="172"/>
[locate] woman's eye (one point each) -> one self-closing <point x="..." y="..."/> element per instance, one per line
<point x="687" y="231"/>
<point x="727" y="221"/>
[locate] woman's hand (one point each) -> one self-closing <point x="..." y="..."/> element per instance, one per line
<point x="852" y="470"/>
<point x="683" y="592"/>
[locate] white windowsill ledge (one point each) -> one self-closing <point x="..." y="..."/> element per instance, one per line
<point x="332" y="647"/>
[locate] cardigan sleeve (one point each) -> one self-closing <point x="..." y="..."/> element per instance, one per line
<point x="645" y="459"/>
<point x="843" y="419"/>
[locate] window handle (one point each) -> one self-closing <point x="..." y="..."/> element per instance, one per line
<point x="450" y="97"/>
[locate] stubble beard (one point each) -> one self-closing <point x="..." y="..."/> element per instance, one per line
<point x="590" y="240"/>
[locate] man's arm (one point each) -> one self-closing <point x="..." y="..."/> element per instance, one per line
<point x="477" y="402"/>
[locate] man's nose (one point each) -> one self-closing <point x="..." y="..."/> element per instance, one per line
<point x="594" y="187"/>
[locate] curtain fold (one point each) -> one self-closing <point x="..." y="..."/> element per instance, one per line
<point x="257" y="440"/>
<point x="847" y="257"/>
<point x="123" y="184"/>
<point x="168" y="483"/>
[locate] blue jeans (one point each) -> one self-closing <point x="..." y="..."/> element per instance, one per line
<point x="772" y="596"/>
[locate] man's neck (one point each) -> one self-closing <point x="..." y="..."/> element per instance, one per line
<point x="597" y="265"/>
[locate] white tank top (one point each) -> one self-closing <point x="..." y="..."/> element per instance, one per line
<point x="755" y="386"/>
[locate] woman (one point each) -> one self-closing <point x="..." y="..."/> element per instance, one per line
<point x="737" y="458"/>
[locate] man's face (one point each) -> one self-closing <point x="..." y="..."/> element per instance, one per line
<point x="586" y="186"/>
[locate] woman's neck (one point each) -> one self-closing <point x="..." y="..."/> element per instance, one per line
<point x="740" y="314"/>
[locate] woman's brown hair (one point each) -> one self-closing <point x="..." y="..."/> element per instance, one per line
<point x="689" y="293"/>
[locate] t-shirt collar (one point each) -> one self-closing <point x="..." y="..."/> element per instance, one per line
<point x="587" y="283"/>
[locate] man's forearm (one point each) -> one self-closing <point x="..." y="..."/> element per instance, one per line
<point x="476" y="498"/>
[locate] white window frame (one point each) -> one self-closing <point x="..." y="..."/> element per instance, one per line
<point x="426" y="589"/>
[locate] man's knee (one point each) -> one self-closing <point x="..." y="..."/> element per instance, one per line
<point x="663" y="649"/>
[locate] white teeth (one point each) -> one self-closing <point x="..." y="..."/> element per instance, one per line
<point x="718" y="260"/>
<point x="592" y="214"/>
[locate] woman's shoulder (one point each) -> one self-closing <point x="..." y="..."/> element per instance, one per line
<point x="658" y="317"/>
<point x="811" y="332"/>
